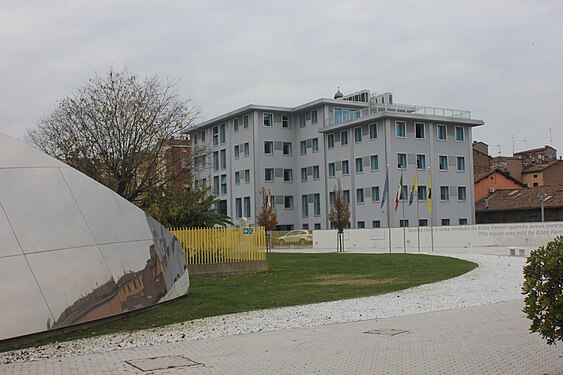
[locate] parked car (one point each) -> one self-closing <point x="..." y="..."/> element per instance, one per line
<point x="300" y="237"/>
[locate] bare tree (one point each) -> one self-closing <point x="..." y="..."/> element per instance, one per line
<point x="114" y="128"/>
<point x="339" y="215"/>
<point x="267" y="217"/>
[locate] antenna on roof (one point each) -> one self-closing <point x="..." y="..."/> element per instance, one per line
<point x="550" y="140"/>
<point x="498" y="149"/>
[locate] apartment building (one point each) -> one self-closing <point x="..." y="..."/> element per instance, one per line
<point x="298" y="153"/>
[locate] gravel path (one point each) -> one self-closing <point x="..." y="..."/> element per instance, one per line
<point x="497" y="279"/>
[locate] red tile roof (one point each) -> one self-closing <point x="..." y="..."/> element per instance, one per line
<point x="525" y="199"/>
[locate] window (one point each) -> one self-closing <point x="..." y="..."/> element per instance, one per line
<point x="346" y="195"/>
<point x="223" y="159"/>
<point x="374" y="162"/>
<point x="215" y="136"/>
<point x="459" y="134"/>
<point x="330" y="140"/>
<point x="461" y="193"/>
<point x="216" y="160"/>
<point x="422" y="193"/>
<point x="238" y="207"/>
<point x="216" y="185"/>
<point x="235" y="126"/>
<point x="462" y="221"/>
<point x="269" y="174"/>
<point x="331" y="197"/>
<point x="302" y="120"/>
<point x="317" y="204"/>
<point x="305" y="226"/>
<point x="269" y="147"/>
<point x="303" y="174"/>
<point x="400" y="129"/>
<point x="442" y="134"/>
<point x="287" y="175"/>
<point x="331" y="170"/>
<point x="372" y="131"/>
<point x="223" y="184"/>
<point x="316" y="172"/>
<point x="404" y="223"/>
<point x="345" y="167"/>
<point x="344" y="138"/>
<point x="285" y="121"/>
<point x="267" y="119"/>
<point x="304" y="206"/>
<point x="360" y="196"/>
<point x="359" y="165"/>
<point x="422" y="222"/>
<point x="222" y="134"/>
<point x="420" y="161"/>
<point x="376" y="224"/>
<point x="404" y="193"/>
<point x="287" y="148"/>
<point x="444" y="193"/>
<point x="361" y="224"/>
<point x="374" y="194"/>
<point x="357" y="135"/>
<point x="303" y="147"/>
<point x="246" y="149"/>
<point x="237" y="178"/>
<point x="237" y="151"/>
<point x="419" y="130"/>
<point x="443" y="162"/>
<point x="315" y="144"/>
<point x="318" y="226"/>
<point x="445" y="221"/>
<point x="460" y="163"/>
<point x="314" y="117"/>
<point x="202" y="135"/>
<point x="402" y="161"/>
<point x="245" y="121"/>
<point x="288" y="202"/>
<point x="247" y="206"/>
<point x="247" y="176"/>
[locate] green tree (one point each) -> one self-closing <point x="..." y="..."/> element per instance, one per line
<point x="543" y="287"/>
<point x="339" y="215"/>
<point x="192" y="208"/>
<point x="113" y="129"/>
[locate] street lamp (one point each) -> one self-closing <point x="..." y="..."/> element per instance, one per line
<point x="542" y="199"/>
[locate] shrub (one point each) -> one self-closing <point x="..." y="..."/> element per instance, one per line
<point x="543" y="287"/>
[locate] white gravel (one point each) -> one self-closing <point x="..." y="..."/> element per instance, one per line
<point x="497" y="279"/>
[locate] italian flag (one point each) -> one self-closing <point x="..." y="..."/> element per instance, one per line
<point x="400" y="188"/>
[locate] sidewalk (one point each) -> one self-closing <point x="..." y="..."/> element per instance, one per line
<point x="491" y="339"/>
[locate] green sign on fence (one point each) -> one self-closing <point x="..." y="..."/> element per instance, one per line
<point x="248" y="230"/>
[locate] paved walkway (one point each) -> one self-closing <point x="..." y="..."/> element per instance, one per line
<point x="492" y="339"/>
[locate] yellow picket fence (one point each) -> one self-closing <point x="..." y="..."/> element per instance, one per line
<point x="222" y="245"/>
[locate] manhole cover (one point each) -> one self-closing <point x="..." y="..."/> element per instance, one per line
<point x="386" y="331"/>
<point x="161" y="363"/>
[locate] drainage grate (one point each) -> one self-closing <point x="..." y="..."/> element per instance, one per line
<point x="386" y="331"/>
<point x="161" y="363"/>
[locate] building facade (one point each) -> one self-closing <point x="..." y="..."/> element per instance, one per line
<point x="298" y="153"/>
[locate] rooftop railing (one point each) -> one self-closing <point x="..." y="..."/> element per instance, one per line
<point x="354" y="114"/>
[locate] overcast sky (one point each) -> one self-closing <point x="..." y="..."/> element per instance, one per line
<point x="502" y="60"/>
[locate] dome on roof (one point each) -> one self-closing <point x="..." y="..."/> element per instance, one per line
<point x="338" y="94"/>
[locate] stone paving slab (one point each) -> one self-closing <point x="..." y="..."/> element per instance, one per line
<point x="491" y="339"/>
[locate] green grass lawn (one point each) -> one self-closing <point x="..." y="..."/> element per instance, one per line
<point x="293" y="279"/>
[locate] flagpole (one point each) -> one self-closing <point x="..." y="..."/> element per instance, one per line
<point x="404" y="226"/>
<point x="417" y="215"/>
<point x="388" y="211"/>
<point x="431" y="209"/>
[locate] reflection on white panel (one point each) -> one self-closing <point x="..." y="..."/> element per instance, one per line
<point x="123" y="258"/>
<point x="8" y="243"/>
<point x="73" y="281"/>
<point x="99" y="208"/>
<point x="22" y="308"/>
<point x="135" y="218"/>
<point x="41" y="210"/>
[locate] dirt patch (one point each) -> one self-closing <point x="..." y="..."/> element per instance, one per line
<point x="356" y="281"/>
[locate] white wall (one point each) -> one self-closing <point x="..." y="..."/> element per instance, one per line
<point x="446" y="238"/>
